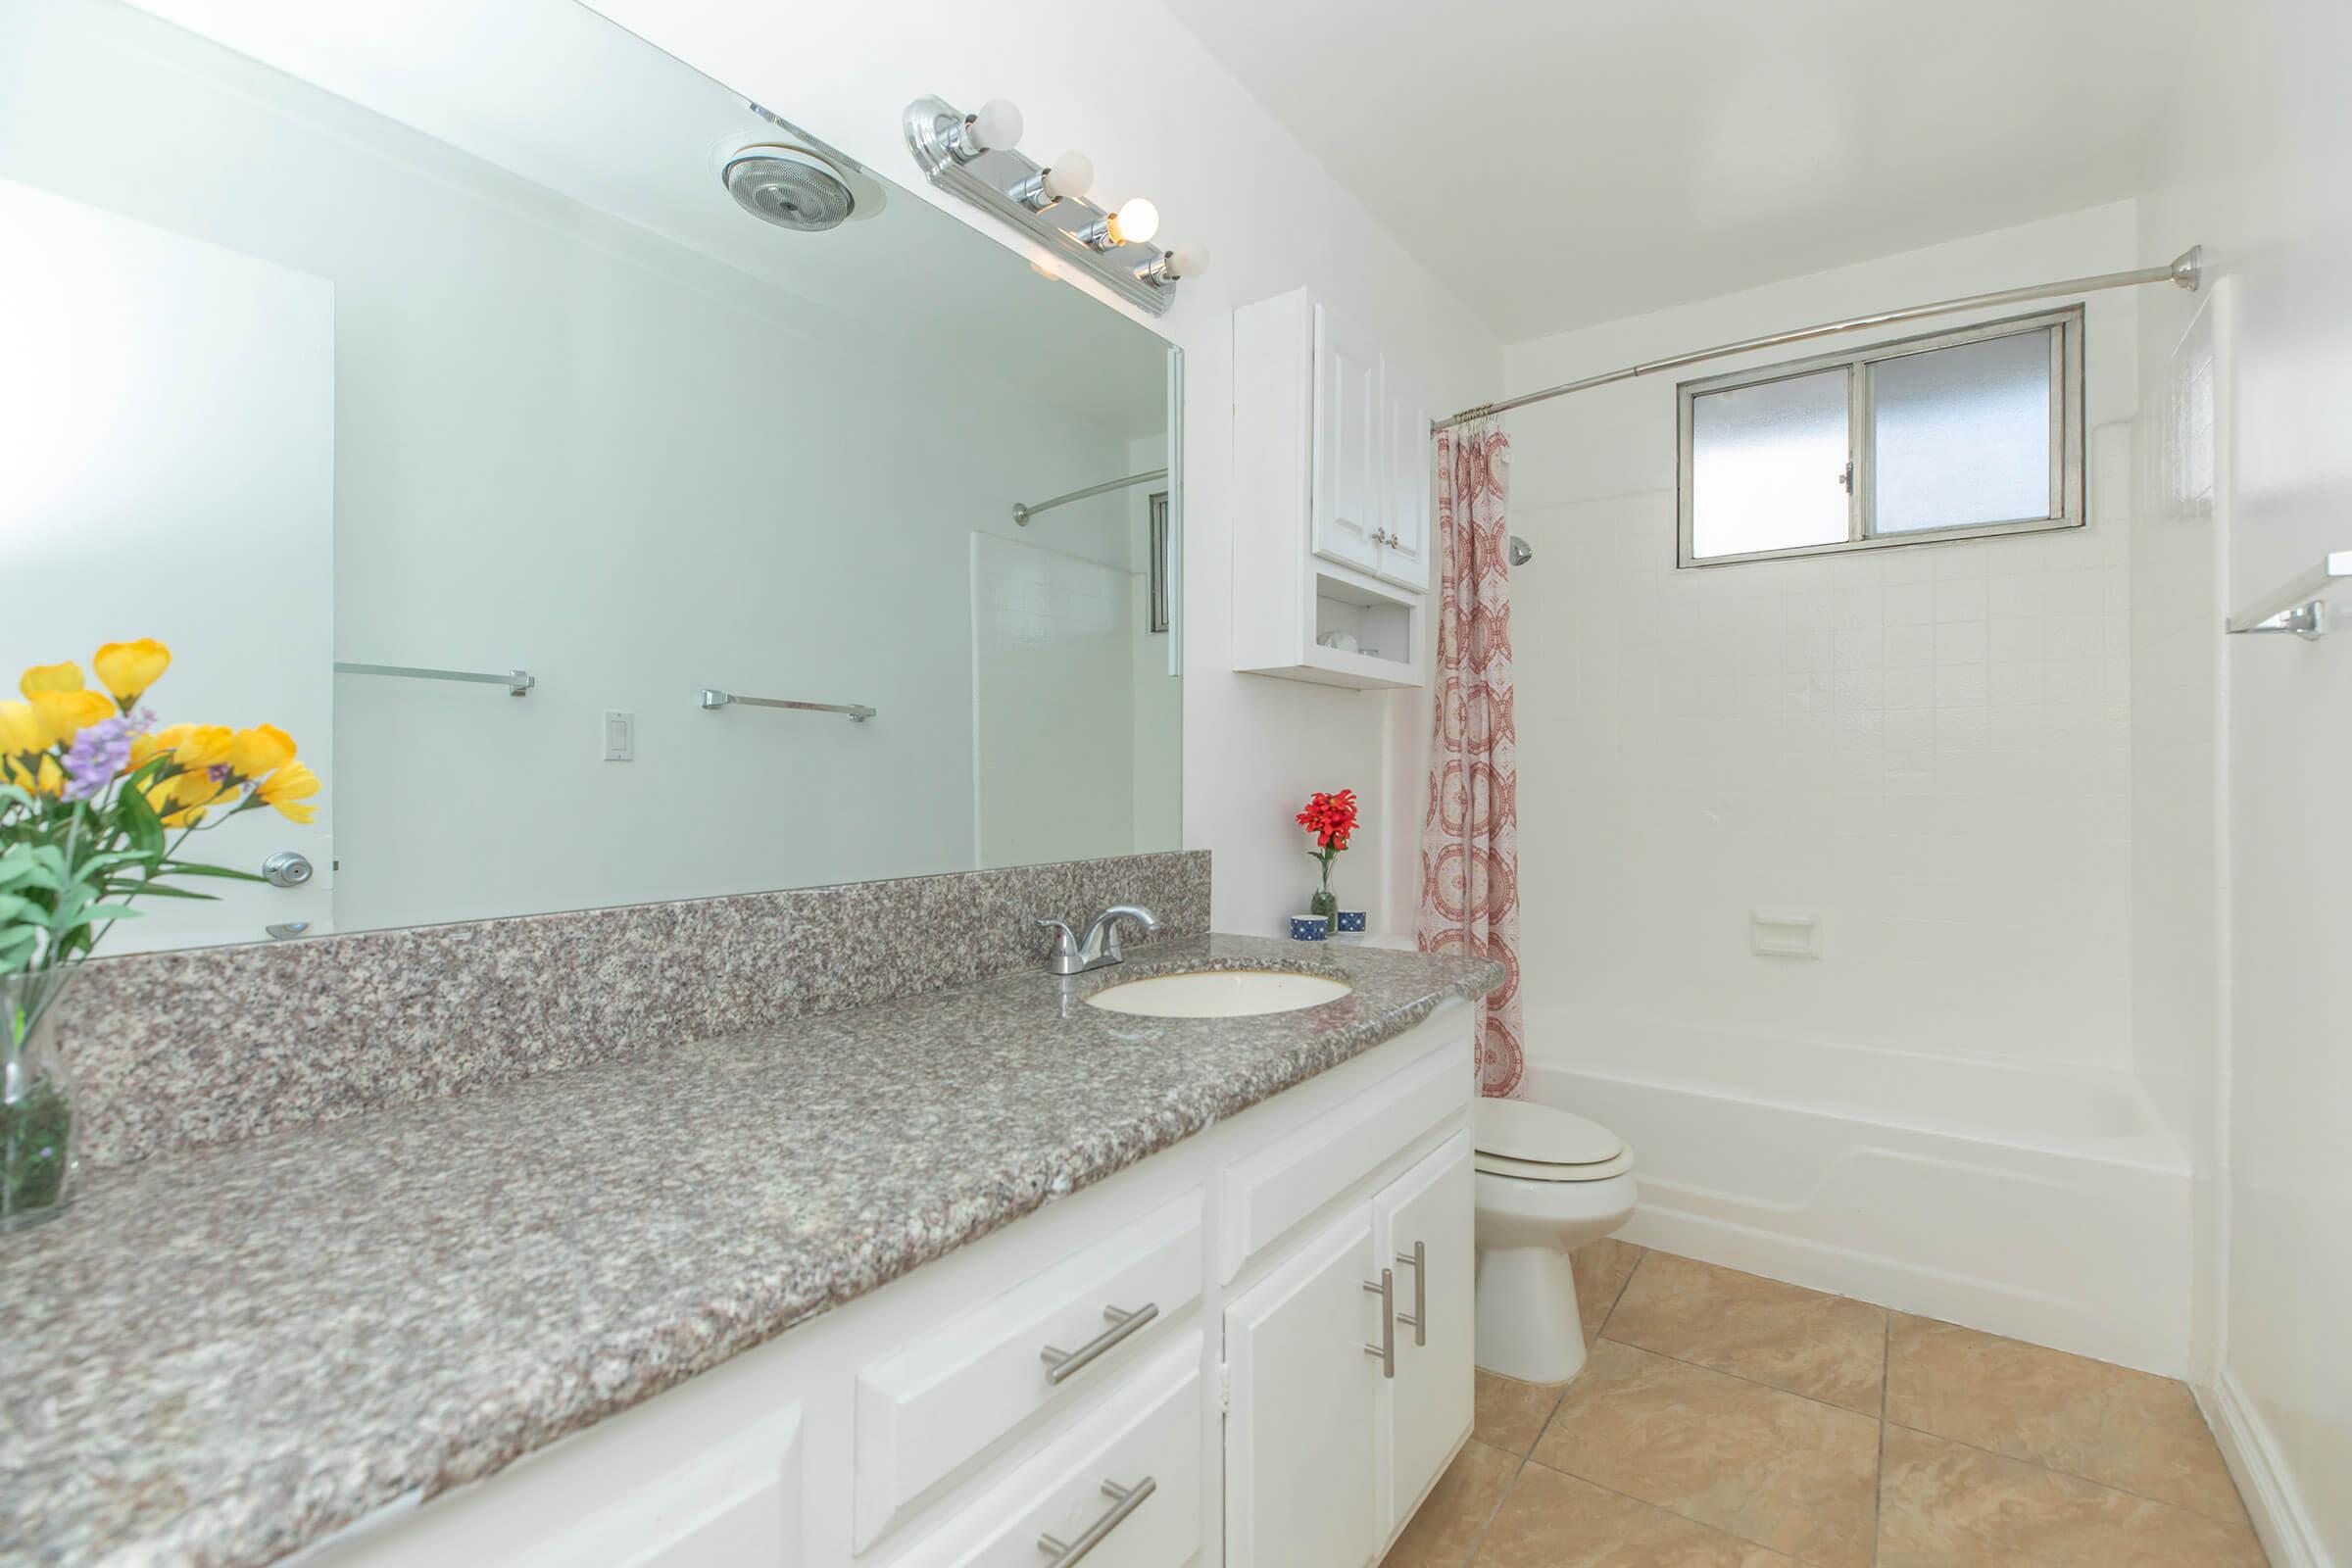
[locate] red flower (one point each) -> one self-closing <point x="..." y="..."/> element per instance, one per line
<point x="1330" y="818"/>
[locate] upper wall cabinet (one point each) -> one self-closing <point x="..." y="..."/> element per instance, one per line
<point x="1332" y="460"/>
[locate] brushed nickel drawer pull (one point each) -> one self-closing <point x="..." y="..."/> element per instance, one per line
<point x="1124" y="1501"/>
<point x="1063" y="1364"/>
<point x="1386" y="1350"/>
<point x="1418" y="1257"/>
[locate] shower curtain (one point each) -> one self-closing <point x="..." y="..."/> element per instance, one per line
<point x="1470" y="824"/>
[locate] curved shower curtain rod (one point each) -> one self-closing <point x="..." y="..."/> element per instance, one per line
<point x="1023" y="512"/>
<point x="2182" y="271"/>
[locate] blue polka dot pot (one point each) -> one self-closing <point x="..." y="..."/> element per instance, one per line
<point x="1351" y="920"/>
<point x="1309" y="928"/>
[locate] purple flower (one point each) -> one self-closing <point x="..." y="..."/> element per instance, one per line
<point x="101" y="751"/>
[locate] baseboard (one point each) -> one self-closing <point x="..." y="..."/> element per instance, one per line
<point x="2286" y="1531"/>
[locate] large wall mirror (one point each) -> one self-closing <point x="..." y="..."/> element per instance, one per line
<point x="475" y="363"/>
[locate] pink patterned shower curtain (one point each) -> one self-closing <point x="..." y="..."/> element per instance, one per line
<point x="1470" y="829"/>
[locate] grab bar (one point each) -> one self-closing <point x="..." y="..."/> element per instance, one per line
<point x="517" y="682"/>
<point x="859" y="712"/>
<point x="2301" y="606"/>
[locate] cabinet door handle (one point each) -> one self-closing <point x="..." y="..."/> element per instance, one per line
<point x="1386" y="1350"/>
<point x="1418" y="1257"/>
<point x="1124" y="1501"/>
<point x="1062" y="1365"/>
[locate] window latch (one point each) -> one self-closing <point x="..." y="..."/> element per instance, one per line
<point x="1845" y="478"/>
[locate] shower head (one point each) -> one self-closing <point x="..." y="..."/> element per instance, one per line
<point x="790" y="187"/>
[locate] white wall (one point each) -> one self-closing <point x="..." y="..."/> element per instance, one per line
<point x="2265" y="134"/>
<point x="1160" y="117"/>
<point x="1928" y="746"/>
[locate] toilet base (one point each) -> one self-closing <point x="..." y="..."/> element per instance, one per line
<point x="1529" y="1327"/>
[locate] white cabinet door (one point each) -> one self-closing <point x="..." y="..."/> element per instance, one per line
<point x="1404" y="555"/>
<point x="1299" y="1451"/>
<point x="1352" y="480"/>
<point x="1421" y="1226"/>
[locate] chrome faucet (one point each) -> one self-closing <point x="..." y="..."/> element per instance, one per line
<point x="1100" y="947"/>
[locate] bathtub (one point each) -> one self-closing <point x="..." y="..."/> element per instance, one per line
<point x="2046" y="1204"/>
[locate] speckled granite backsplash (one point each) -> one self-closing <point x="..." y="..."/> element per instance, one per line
<point x="219" y="1044"/>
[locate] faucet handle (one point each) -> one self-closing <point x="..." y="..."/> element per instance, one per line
<point x="1065" y="945"/>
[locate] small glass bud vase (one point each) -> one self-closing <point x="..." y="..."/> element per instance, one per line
<point x="1326" y="902"/>
<point x="37" y="1110"/>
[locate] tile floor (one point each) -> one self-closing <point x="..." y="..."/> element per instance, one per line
<point x="1726" y="1419"/>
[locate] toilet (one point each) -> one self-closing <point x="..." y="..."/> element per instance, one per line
<point x="1547" y="1182"/>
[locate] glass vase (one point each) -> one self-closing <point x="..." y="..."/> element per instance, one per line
<point x="36" y="1109"/>
<point x="1326" y="902"/>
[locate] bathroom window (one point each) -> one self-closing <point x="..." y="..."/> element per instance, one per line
<point x="1951" y="436"/>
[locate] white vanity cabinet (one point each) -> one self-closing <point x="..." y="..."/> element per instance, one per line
<point x="1333" y="544"/>
<point x="1177" y="1367"/>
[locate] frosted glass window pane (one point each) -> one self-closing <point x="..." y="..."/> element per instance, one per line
<point x="1767" y="464"/>
<point x="1963" y="435"/>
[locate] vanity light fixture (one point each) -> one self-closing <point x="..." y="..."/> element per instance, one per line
<point x="1132" y="224"/>
<point x="997" y="127"/>
<point x="1186" y="260"/>
<point x="1067" y="179"/>
<point x="975" y="157"/>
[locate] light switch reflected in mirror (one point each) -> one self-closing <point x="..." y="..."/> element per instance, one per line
<point x="462" y="369"/>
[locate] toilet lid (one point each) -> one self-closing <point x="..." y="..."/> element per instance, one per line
<point x="1525" y="1133"/>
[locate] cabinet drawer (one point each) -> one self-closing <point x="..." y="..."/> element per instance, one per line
<point x="1147" y="1437"/>
<point x="1272" y="1190"/>
<point x="930" y="1407"/>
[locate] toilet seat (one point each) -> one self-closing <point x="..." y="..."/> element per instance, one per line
<point x="1538" y="1142"/>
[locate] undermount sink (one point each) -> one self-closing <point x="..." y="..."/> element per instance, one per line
<point x="1219" y="993"/>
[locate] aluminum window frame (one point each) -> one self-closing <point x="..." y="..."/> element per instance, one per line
<point x="2067" y="498"/>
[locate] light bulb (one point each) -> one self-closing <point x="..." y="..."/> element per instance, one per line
<point x="998" y="125"/>
<point x="1071" y="176"/>
<point x="1134" y="224"/>
<point x="1188" y="260"/>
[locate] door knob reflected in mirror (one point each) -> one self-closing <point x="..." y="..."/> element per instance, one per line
<point x="287" y="868"/>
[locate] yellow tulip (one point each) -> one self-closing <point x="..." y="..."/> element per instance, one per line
<point x="263" y="749"/>
<point x="203" y="746"/>
<point x="129" y="668"/>
<point x="22" y="730"/>
<point x="287" y="788"/>
<point x="65" y="677"/>
<point x="182" y="801"/>
<point x="45" y="778"/>
<point x="64" y="713"/>
<point x="145" y="748"/>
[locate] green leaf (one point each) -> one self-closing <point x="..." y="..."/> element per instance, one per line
<point x="190" y="869"/>
<point x="146" y="829"/>
<point x="90" y="916"/>
<point x="160" y="890"/>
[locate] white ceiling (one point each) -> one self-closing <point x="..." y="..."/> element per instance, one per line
<point x="1563" y="162"/>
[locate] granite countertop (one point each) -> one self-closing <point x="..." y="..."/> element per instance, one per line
<point x="219" y="1356"/>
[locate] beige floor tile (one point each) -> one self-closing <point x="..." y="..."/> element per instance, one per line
<point x="1456" y="1510"/>
<point x="1510" y="1414"/>
<point x="1948" y="1506"/>
<point x="2105" y="1423"/>
<point x="1601" y="1268"/>
<point x="1555" y="1521"/>
<point x="1824" y="1346"/>
<point x="1786" y="1472"/>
